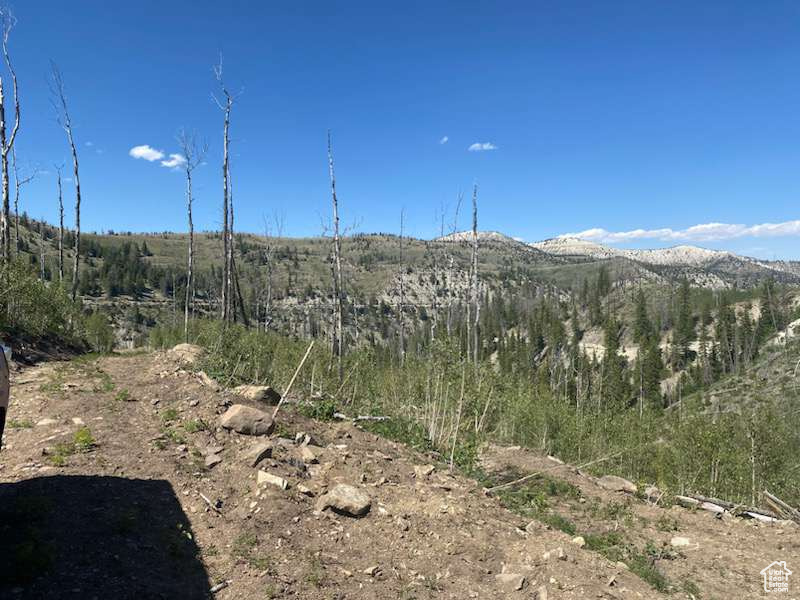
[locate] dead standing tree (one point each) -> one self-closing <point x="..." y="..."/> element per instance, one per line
<point x="7" y="141"/>
<point x="193" y="155"/>
<point x="474" y="272"/>
<point x="18" y="183"/>
<point x="63" y="118"/>
<point x="337" y="339"/>
<point x="60" y="226"/>
<point x="225" y="107"/>
<point x="401" y="308"/>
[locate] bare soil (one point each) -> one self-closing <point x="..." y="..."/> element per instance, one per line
<point x="118" y="511"/>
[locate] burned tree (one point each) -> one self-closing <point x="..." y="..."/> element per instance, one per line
<point x="7" y="21"/>
<point x="60" y="227"/>
<point x="337" y="339"/>
<point x="474" y="272"/>
<point x="226" y="107"/>
<point x="18" y="183"/>
<point x="63" y="118"/>
<point x="193" y="155"/>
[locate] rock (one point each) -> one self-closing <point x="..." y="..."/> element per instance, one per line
<point x="258" y="393"/>
<point x="194" y="402"/>
<point x="512" y="582"/>
<point x="187" y="353"/>
<point x="533" y="527"/>
<point x="308" y="455"/>
<point x="372" y="571"/>
<point x="403" y="524"/>
<point x="247" y="420"/>
<point x="555" y="553"/>
<point x="78" y="421"/>
<point x="304" y="439"/>
<point x="45" y="422"/>
<point x="154" y="401"/>
<point x="268" y="478"/>
<point x="541" y="593"/>
<point x="652" y="493"/>
<point x="208" y="382"/>
<point x="345" y="499"/>
<point x="579" y="541"/>
<point x="680" y="542"/>
<point x="617" y="484"/>
<point x="711" y="507"/>
<point x="256" y="453"/>
<point x="306" y="491"/>
<point x="687" y="502"/>
<point x="213" y="460"/>
<point x="209" y="450"/>
<point x="422" y="471"/>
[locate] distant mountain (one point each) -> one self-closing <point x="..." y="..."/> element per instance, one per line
<point x="708" y="268"/>
<point x="483" y="236"/>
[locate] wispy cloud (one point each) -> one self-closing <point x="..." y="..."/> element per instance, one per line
<point x="174" y="161"/>
<point x="705" y="232"/>
<point x="146" y="152"/>
<point x="481" y="146"/>
<point x="89" y="144"/>
<point x="444" y="140"/>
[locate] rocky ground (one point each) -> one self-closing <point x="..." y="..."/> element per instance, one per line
<point x="117" y="480"/>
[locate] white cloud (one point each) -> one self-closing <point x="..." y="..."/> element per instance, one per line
<point x="704" y="232"/>
<point x="174" y="161"/>
<point x="146" y="152"/>
<point x="480" y="147"/>
<point x="444" y="140"/>
<point x="89" y="144"/>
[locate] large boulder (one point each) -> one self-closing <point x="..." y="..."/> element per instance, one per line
<point x="247" y="420"/>
<point x="187" y="353"/>
<point x="258" y="393"/>
<point x="345" y="499"/>
<point x="617" y="484"/>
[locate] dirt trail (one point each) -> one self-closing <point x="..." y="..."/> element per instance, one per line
<point x="118" y="511"/>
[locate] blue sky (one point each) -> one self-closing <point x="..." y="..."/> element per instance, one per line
<point x="594" y="118"/>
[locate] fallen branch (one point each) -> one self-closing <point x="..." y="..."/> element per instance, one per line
<point x="220" y="586"/>
<point x="211" y="505"/>
<point x="291" y="382"/>
<point x="344" y="417"/>
<point x="780" y="507"/>
<point x="538" y="473"/>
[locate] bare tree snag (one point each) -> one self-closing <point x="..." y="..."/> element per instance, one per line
<point x="474" y="286"/>
<point x="193" y="156"/>
<point x="338" y="338"/>
<point x="7" y="141"/>
<point x="226" y="107"/>
<point x="18" y="183"/>
<point x="60" y="101"/>
<point x="60" y="227"/>
<point x="401" y="308"/>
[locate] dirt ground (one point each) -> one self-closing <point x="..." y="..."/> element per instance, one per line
<point x="105" y="493"/>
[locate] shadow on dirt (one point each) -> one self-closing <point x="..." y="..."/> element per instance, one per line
<point x="96" y="537"/>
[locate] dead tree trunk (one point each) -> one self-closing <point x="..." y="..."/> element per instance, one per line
<point x="193" y="156"/>
<point x="65" y="122"/>
<point x="226" y="268"/>
<point x="337" y="260"/>
<point x="474" y="286"/>
<point x="60" y="229"/>
<point x="401" y="309"/>
<point x="41" y="249"/>
<point x="7" y="142"/>
<point x="18" y="183"/>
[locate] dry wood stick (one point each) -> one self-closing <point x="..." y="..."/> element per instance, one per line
<point x="291" y="382"/>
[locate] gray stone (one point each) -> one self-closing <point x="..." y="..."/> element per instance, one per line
<point x="247" y="420"/>
<point x="268" y="478"/>
<point x="258" y="393"/>
<point x="422" y="471"/>
<point x="212" y="460"/>
<point x="187" y="353"/>
<point x="345" y="499"/>
<point x="512" y="582"/>
<point x="617" y="484"/>
<point x="256" y="453"/>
